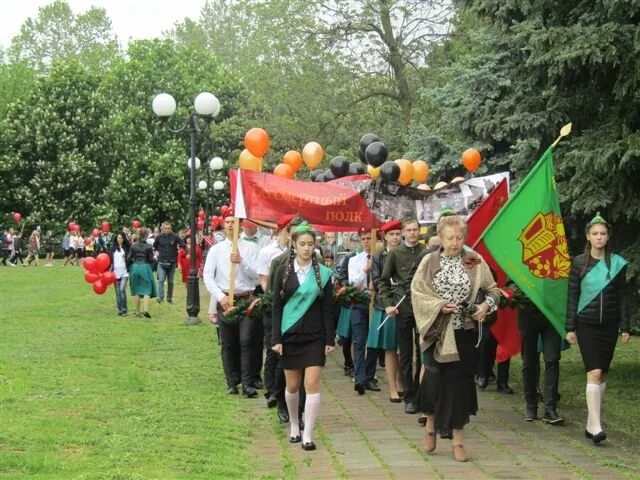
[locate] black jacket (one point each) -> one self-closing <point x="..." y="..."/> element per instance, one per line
<point x="608" y="308"/>
<point x="377" y="264"/>
<point x="166" y="244"/>
<point x="317" y="323"/>
<point x="140" y="252"/>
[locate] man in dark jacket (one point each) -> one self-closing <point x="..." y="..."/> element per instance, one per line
<point x="395" y="282"/>
<point x="166" y="244"/>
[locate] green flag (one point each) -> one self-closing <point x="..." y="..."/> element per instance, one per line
<point x="527" y="239"/>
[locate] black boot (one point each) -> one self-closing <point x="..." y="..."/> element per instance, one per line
<point x="552" y="417"/>
<point x="530" y="413"/>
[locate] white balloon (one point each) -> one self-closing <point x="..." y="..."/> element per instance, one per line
<point x="216" y="163"/>
<point x="197" y="163"/>
<point x="207" y="104"/>
<point x="218" y="185"/>
<point x="202" y="185"/>
<point x="164" y="105"/>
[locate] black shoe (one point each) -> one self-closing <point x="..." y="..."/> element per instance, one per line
<point x="146" y="314"/>
<point x="257" y="384"/>
<point x="401" y="394"/>
<point x="169" y="300"/>
<point x="283" y="415"/>
<point x="504" y="389"/>
<point x="530" y="414"/>
<point x="358" y="387"/>
<point x="308" y="446"/>
<point x="249" y="392"/>
<point x="482" y="382"/>
<point x="551" y="417"/>
<point x="410" y="408"/>
<point x="232" y="391"/>
<point x="446" y="434"/>
<point x="348" y="370"/>
<point x="422" y="420"/>
<point x="597" y="437"/>
<point x="272" y="401"/>
<point x="395" y="400"/>
<point x="296" y="439"/>
<point x="372" y="386"/>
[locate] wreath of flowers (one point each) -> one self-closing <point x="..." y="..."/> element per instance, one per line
<point x="349" y="295"/>
<point x="239" y="310"/>
<point x="264" y="306"/>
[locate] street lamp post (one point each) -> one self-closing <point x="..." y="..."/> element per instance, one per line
<point x="205" y="107"/>
<point x="210" y="185"/>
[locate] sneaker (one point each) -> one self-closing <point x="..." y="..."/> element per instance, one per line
<point x="169" y="301"/>
<point x="552" y="417"/>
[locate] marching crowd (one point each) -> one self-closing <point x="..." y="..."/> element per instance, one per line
<point x="419" y="308"/>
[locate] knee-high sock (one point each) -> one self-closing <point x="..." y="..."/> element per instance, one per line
<point x="603" y="388"/>
<point x="311" y="409"/>
<point x="293" y="400"/>
<point x="594" y="398"/>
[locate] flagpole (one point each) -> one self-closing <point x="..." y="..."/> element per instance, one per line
<point x="234" y="265"/>
<point x="372" y="250"/>
<point x="564" y="131"/>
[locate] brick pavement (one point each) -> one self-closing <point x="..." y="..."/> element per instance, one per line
<point x="369" y="437"/>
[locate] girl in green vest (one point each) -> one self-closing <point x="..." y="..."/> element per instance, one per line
<point x="303" y="331"/>
<point x="596" y="312"/>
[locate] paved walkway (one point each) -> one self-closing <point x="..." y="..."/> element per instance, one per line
<point x="370" y="437"/>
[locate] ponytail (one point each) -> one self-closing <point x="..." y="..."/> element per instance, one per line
<point x="288" y="270"/>
<point x="316" y="272"/>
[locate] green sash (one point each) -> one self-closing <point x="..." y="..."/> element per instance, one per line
<point x="595" y="281"/>
<point x="303" y="298"/>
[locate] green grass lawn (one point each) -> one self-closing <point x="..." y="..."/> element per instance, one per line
<point x="85" y="394"/>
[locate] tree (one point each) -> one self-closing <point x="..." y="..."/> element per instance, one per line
<point x="58" y="33"/>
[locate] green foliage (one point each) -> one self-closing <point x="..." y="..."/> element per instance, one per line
<point x="513" y="74"/>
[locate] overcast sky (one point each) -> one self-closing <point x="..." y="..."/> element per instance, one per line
<point x="129" y="18"/>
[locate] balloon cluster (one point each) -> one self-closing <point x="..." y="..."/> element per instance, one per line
<point x="97" y="273"/>
<point x="256" y="142"/>
<point x="338" y="168"/>
<point x="312" y="155"/>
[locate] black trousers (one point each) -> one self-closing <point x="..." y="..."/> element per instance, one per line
<point x="235" y="348"/>
<point x="488" y="348"/>
<point x="257" y="347"/>
<point x="271" y="358"/>
<point x="408" y="343"/>
<point x="530" y="329"/>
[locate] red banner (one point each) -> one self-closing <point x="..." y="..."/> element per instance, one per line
<point x="267" y="198"/>
<point x="505" y="330"/>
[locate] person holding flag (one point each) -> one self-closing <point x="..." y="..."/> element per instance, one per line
<point x="303" y="332"/>
<point x="596" y="312"/>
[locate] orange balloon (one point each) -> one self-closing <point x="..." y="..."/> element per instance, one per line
<point x="373" y="171"/>
<point x="406" y="171"/>
<point x="283" y="170"/>
<point x="293" y="159"/>
<point x="257" y="142"/>
<point x="420" y="171"/>
<point x="312" y="154"/>
<point x="248" y="161"/>
<point x="471" y="159"/>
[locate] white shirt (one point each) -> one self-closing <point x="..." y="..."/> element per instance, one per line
<point x="301" y="272"/>
<point x="266" y="256"/>
<point x="119" y="264"/>
<point x="218" y="266"/>
<point x="357" y="275"/>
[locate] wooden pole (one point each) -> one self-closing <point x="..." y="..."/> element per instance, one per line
<point x="374" y="233"/>
<point x="234" y="266"/>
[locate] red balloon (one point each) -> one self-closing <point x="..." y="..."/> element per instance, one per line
<point x="76" y="227"/>
<point x="17" y="217"/>
<point x="106" y="227"/>
<point x="87" y="241"/>
<point x="223" y="210"/>
<point x="96" y="232"/>
<point x="99" y="287"/>
<point x="103" y="262"/>
<point x="201" y="214"/>
<point x="200" y="224"/>
<point x="90" y="264"/>
<point x="91" y="277"/>
<point x="214" y="222"/>
<point x="71" y="226"/>
<point x="136" y="224"/>
<point x="108" y="278"/>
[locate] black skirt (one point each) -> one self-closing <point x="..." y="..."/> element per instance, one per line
<point x="298" y="356"/>
<point x="447" y="390"/>
<point x="597" y="344"/>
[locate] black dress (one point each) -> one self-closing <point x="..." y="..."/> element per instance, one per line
<point x="304" y="343"/>
<point x="598" y="324"/>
